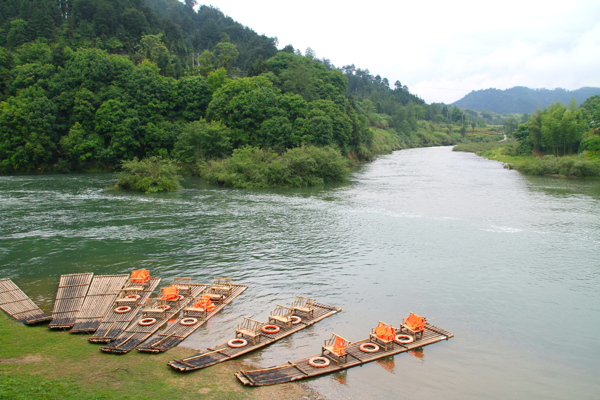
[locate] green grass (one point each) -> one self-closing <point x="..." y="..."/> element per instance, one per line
<point x="577" y="165"/>
<point x="36" y="363"/>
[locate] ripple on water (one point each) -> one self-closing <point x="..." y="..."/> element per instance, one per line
<point x="452" y="236"/>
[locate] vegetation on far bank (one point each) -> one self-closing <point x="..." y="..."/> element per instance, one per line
<point x="557" y="140"/>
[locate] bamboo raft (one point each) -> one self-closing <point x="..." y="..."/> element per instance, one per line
<point x="223" y="352"/>
<point x="136" y="333"/>
<point x="115" y="323"/>
<point x="178" y="332"/>
<point x="18" y="305"/>
<point x="300" y="369"/>
<point x="100" y="297"/>
<point x="72" y="289"/>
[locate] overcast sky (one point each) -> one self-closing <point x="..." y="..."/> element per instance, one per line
<point x="441" y="50"/>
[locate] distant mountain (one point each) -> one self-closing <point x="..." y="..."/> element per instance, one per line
<point x="521" y="99"/>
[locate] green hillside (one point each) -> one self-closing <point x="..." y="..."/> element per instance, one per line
<point x="521" y="100"/>
<point x="88" y="84"/>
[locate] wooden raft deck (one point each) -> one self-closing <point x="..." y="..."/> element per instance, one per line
<point x="135" y="334"/>
<point x="100" y="297"/>
<point x="72" y="289"/>
<point x="114" y="323"/>
<point x="177" y="333"/>
<point x="300" y="369"/>
<point x="222" y="352"/>
<point x="18" y="305"/>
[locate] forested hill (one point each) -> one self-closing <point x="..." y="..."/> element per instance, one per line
<point x="117" y="26"/>
<point x="521" y="100"/>
<point x="87" y="84"/>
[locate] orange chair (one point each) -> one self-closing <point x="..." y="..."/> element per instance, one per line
<point x="205" y="303"/>
<point x="170" y="293"/>
<point x="140" y="276"/>
<point x="201" y="308"/>
<point x="335" y="348"/>
<point x="384" y="335"/>
<point x="414" y="325"/>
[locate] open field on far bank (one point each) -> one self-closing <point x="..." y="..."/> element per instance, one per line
<point x="36" y="363"/>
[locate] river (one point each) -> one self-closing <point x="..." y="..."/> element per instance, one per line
<point x="508" y="263"/>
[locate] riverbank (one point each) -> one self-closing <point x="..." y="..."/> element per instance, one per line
<point x="37" y="363"/>
<point x="575" y="166"/>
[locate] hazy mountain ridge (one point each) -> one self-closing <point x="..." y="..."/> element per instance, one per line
<point x="520" y="99"/>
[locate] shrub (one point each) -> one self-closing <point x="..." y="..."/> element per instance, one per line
<point x="251" y="167"/>
<point x="579" y="166"/>
<point x="532" y="167"/>
<point x="149" y="175"/>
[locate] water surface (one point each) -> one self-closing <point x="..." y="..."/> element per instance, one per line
<point x="508" y="263"/>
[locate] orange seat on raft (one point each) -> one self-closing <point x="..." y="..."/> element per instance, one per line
<point x="335" y="348"/>
<point x="383" y="335"/>
<point x="339" y="346"/>
<point x="413" y="325"/>
<point x="205" y="303"/>
<point x="385" y="332"/>
<point x="140" y="276"/>
<point x="170" y="293"/>
<point x="414" y="322"/>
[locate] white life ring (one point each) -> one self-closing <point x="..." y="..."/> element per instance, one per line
<point x="270" y="329"/>
<point x="319" y="362"/>
<point x="404" y="339"/>
<point x="237" y="343"/>
<point x="189" y="321"/>
<point x="147" y="321"/>
<point x="369" y="348"/>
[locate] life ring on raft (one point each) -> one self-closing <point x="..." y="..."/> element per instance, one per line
<point x="189" y="321"/>
<point x="216" y="297"/>
<point x="296" y="320"/>
<point x="133" y="296"/>
<point x="237" y="343"/>
<point x="165" y="307"/>
<point x="270" y="329"/>
<point x="147" y="321"/>
<point x="369" y="348"/>
<point x="122" y="309"/>
<point x="319" y="362"/>
<point x="404" y="339"/>
<point x="178" y="298"/>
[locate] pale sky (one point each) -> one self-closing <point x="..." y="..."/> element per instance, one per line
<point x="441" y="50"/>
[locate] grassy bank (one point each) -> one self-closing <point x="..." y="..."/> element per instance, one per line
<point x="578" y="165"/>
<point x="36" y="363"/>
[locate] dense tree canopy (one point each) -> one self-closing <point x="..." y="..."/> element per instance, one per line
<point x="88" y="84"/>
<point x="561" y="130"/>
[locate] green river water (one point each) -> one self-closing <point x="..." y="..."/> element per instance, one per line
<point x="508" y="263"/>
